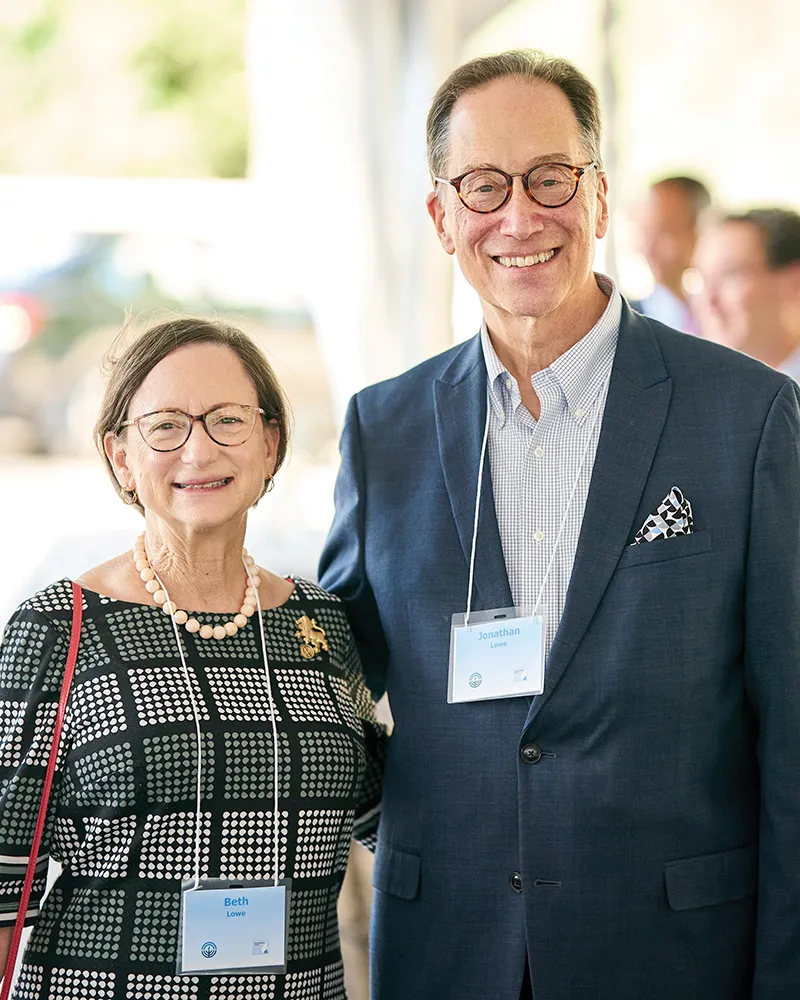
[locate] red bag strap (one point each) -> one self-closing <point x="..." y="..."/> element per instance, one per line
<point x="72" y="656"/>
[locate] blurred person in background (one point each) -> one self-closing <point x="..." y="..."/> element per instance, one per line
<point x="592" y="791"/>
<point x="750" y="299"/>
<point x="669" y="223"/>
<point x="194" y="666"/>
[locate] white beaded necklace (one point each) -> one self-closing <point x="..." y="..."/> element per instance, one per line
<point x="153" y="586"/>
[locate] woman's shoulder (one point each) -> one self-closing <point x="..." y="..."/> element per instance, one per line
<point x="314" y="597"/>
<point x="51" y="602"/>
<point x="44" y="617"/>
<point x="112" y="577"/>
<point x="318" y="603"/>
<point x="33" y="638"/>
<point x="324" y="610"/>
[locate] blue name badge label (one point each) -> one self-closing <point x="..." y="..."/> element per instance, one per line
<point x="500" y="654"/>
<point x="232" y="925"/>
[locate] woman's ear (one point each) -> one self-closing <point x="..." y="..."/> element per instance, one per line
<point x="117" y="454"/>
<point x="272" y="440"/>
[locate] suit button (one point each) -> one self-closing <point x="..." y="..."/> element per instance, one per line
<point x="531" y="754"/>
<point x="516" y="882"/>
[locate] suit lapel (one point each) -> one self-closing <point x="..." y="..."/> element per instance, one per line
<point x="460" y="407"/>
<point x="636" y="408"/>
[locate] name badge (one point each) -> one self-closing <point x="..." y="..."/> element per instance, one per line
<point x="500" y="654"/>
<point x="233" y="926"/>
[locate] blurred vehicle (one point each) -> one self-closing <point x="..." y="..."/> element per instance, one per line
<point x="64" y="297"/>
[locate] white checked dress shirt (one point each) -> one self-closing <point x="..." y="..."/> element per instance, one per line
<point x="535" y="463"/>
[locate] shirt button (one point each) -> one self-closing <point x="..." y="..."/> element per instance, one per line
<point x="538" y="536"/>
<point x="531" y="753"/>
<point x="579" y="412"/>
<point x="515" y="882"/>
<point x="539" y="452"/>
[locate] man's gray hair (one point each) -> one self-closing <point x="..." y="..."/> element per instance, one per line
<point x="522" y="64"/>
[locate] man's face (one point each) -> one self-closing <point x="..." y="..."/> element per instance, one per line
<point x="667" y="233"/>
<point x="514" y="125"/>
<point x="741" y="297"/>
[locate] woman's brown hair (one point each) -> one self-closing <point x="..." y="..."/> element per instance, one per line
<point x="129" y="370"/>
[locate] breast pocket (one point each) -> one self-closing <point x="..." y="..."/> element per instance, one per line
<point x="662" y="550"/>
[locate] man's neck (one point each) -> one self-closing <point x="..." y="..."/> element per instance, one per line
<point x="527" y="344"/>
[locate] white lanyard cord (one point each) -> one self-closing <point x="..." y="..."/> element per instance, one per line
<point x="196" y="715"/>
<point x="569" y="503"/>
<point x="477" y="512"/>
<point x="272" y="714"/>
<point x="560" y="532"/>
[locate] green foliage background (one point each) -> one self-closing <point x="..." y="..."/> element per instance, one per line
<point x="124" y="87"/>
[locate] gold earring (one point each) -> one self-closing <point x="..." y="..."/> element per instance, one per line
<point x="269" y="484"/>
<point x="129" y="496"/>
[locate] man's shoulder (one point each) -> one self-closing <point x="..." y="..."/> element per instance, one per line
<point x="689" y="359"/>
<point x="416" y="383"/>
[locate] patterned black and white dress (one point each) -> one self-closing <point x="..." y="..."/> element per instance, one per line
<point x="122" y="813"/>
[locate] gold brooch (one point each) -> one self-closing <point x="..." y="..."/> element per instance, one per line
<point x="311" y="636"/>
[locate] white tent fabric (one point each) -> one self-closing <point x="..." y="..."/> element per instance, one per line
<point x="340" y="90"/>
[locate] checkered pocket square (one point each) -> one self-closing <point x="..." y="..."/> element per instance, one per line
<point x="673" y="516"/>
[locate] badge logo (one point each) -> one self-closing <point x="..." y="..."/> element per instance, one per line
<point x="475" y="680"/>
<point x="208" y="950"/>
<point x="311" y="636"/>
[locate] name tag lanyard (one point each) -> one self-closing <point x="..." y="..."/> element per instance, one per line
<point x="500" y="653"/>
<point x="233" y="925"/>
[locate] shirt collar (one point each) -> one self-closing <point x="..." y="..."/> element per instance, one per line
<point x="580" y="371"/>
<point x="497" y="374"/>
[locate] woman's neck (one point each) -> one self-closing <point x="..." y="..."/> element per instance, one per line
<point x="204" y="571"/>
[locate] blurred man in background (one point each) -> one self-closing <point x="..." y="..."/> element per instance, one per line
<point x="669" y="222"/>
<point x="750" y="266"/>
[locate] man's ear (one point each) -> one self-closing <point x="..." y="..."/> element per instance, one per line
<point x="116" y="450"/>
<point x="601" y="225"/>
<point x="436" y="211"/>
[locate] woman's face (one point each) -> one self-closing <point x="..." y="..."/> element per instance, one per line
<point x="202" y="485"/>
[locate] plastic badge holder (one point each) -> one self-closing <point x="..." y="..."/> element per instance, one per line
<point x="500" y="654"/>
<point x="233" y="925"/>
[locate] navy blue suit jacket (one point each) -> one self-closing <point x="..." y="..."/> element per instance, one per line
<point x="658" y="835"/>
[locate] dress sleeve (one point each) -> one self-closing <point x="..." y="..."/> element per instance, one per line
<point x="365" y="828"/>
<point x="32" y="660"/>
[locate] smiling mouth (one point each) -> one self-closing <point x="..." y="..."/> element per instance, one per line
<point x="199" y="487"/>
<point x="529" y="261"/>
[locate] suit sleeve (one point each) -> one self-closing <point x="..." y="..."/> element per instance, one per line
<point x="772" y="664"/>
<point x="342" y="568"/>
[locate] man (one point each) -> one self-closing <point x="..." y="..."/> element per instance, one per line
<point x="669" y="221"/>
<point x="632" y="832"/>
<point x="750" y="265"/>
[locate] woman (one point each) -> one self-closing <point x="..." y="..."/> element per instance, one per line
<point x="193" y="428"/>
